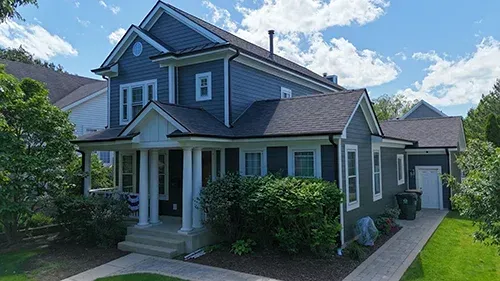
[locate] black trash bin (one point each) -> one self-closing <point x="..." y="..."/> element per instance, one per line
<point x="408" y="205"/>
<point x="419" y="198"/>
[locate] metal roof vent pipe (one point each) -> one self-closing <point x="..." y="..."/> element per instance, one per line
<point x="271" y="44"/>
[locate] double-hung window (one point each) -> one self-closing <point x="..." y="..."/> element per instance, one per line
<point x="133" y="97"/>
<point x="127" y="166"/>
<point x="304" y="163"/>
<point x="204" y="86"/>
<point x="162" y="176"/>
<point x="400" y="169"/>
<point x="253" y="163"/>
<point x="286" y="93"/>
<point x="352" y="176"/>
<point x="377" y="174"/>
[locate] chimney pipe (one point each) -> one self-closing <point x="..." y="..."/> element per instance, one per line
<point x="271" y="43"/>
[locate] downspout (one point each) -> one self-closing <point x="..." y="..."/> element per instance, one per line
<point x="108" y="98"/>
<point x="339" y="183"/>
<point x="449" y="173"/>
<point x="229" y="81"/>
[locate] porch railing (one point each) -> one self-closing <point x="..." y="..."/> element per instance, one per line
<point x="132" y="199"/>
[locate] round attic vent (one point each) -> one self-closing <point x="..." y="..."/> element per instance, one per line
<point x="137" y="49"/>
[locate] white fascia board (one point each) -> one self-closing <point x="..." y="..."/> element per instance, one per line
<point x="419" y="104"/>
<point x="195" y="58"/>
<point x="423" y="151"/>
<point x="368" y="113"/>
<point x="111" y="72"/>
<point x="87" y="98"/>
<point x="160" y="8"/>
<point x="127" y="39"/>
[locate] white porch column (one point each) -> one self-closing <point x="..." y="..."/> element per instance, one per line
<point x="153" y="187"/>
<point x="87" y="169"/>
<point x="143" y="189"/>
<point x="187" y="191"/>
<point x="197" y="182"/>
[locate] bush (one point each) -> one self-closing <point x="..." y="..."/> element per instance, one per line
<point x="39" y="219"/>
<point x="243" y="247"/>
<point x="356" y="251"/>
<point x="386" y="222"/>
<point x="93" y="220"/>
<point x="294" y="214"/>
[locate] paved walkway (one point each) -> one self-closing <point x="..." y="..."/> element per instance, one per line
<point x="391" y="260"/>
<point x="136" y="263"/>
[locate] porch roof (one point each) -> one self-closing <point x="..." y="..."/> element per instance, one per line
<point x="104" y="135"/>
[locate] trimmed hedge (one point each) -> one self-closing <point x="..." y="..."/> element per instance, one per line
<point x="293" y="214"/>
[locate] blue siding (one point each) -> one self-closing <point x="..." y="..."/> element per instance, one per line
<point x="249" y="84"/>
<point x="328" y="163"/>
<point x="423" y="112"/>
<point x="175" y="34"/>
<point x="135" y="69"/>
<point x="187" y="87"/>
<point x="390" y="186"/>
<point x="430" y="160"/>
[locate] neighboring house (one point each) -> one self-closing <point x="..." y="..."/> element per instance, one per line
<point x="83" y="97"/>
<point x="190" y="102"/>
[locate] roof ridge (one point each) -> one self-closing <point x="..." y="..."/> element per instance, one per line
<point x="311" y="96"/>
<point x="422" y="118"/>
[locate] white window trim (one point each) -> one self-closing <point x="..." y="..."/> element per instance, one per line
<point x="304" y="148"/>
<point x="207" y="75"/>
<point x="351" y="205"/>
<point x="284" y="92"/>
<point x="134" y="171"/>
<point x="376" y="196"/>
<point x="165" y="195"/>
<point x="263" y="159"/>
<point x="145" y="97"/>
<point x="400" y="156"/>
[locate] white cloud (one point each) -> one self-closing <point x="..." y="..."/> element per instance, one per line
<point x="84" y="23"/>
<point x="35" y="39"/>
<point x="479" y="21"/>
<point x="116" y="35"/>
<point x="298" y="36"/>
<point x="402" y="55"/>
<point x="115" y="9"/>
<point x="77" y="4"/>
<point x="458" y="81"/>
<point x="102" y="3"/>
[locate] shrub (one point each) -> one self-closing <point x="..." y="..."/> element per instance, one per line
<point x="386" y="222"/>
<point x="243" y="247"/>
<point x="39" y="219"/>
<point x="356" y="251"/>
<point x="93" y="220"/>
<point x="294" y="214"/>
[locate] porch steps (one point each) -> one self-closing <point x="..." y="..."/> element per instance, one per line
<point x="175" y="244"/>
<point x="147" y="249"/>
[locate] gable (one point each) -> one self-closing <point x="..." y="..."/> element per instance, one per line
<point x="364" y="107"/>
<point x="176" y="34"/>
<point x="153" y="128"/>
<point x="423" y="110"/>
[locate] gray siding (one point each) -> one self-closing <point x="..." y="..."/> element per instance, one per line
<point x="175" y="34"/>
<point x="430" y="160"/>
<point x="390" y="185"/>
<point x="423" y="112"/>
<point x="455" y="171"/>
<point x="249" y="84"/>
<point x="328" y="162"/>
<point x="232" y="160"/>
<point x="277" y="160"/>
<point x="135" y="69"/>
<point x="187" y="87"/>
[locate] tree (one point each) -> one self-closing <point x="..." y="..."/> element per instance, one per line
<point x="389" y="107"/>
<point x="102" y="176"/>
<point x="35" y="149"/>
<point x="8" y="8"/>
<point x="493" y="130"/>
<point x="478" y="195"/>
<point x="474" y="123"/>
<point x="21" y="55"/>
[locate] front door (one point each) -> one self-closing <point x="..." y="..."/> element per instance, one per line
<point x="429" y="182"/>
<point x="173" y="206"/>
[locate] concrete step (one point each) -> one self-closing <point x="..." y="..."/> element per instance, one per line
<point x="149" y="231"/>
<point x="176" y="244"/>
<point x="147" y="249"/>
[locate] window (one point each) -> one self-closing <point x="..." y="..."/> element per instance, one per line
<point x="127" y="180"/>
<point x="253" y="163"/>
<point x="352" y="176"/>
<point x="377" y="175"/>
<point x="303" y="163"/>
<point x="162" y="176"/>
<point x="286" y="93"/>
<point x="133" y="97"/>
<point x="204" y="86"/>
<point x="401" y="169"/>
<point x="105" y="157"/>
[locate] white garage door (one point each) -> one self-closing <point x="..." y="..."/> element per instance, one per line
<point x="427" y="179"/>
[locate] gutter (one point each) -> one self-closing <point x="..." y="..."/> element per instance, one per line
<point x="229" y="82"/>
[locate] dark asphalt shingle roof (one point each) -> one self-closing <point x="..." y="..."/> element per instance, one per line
<point x="254" y="49"/>
<point x="59" y="84"/>
<point x="104" y="135"/>
<point x="80" y="93"/>
<point x="429" y="132"/>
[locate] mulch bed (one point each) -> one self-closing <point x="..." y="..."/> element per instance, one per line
<point x="283" y="267"/>
<point x="60" y="259"/>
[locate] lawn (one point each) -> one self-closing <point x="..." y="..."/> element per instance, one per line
<point x="451" y="254"/>
<point x="140" y="277"/>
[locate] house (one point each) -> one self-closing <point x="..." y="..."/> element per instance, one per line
<point x="76" y="94"/>
<point x="189" y="102"/>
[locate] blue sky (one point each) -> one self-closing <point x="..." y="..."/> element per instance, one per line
<point x="443" y="51"/>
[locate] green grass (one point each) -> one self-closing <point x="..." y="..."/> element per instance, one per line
<point x="140" y="277"/>
<point x="11" y="265"/>
<point x="451" y="254"/>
